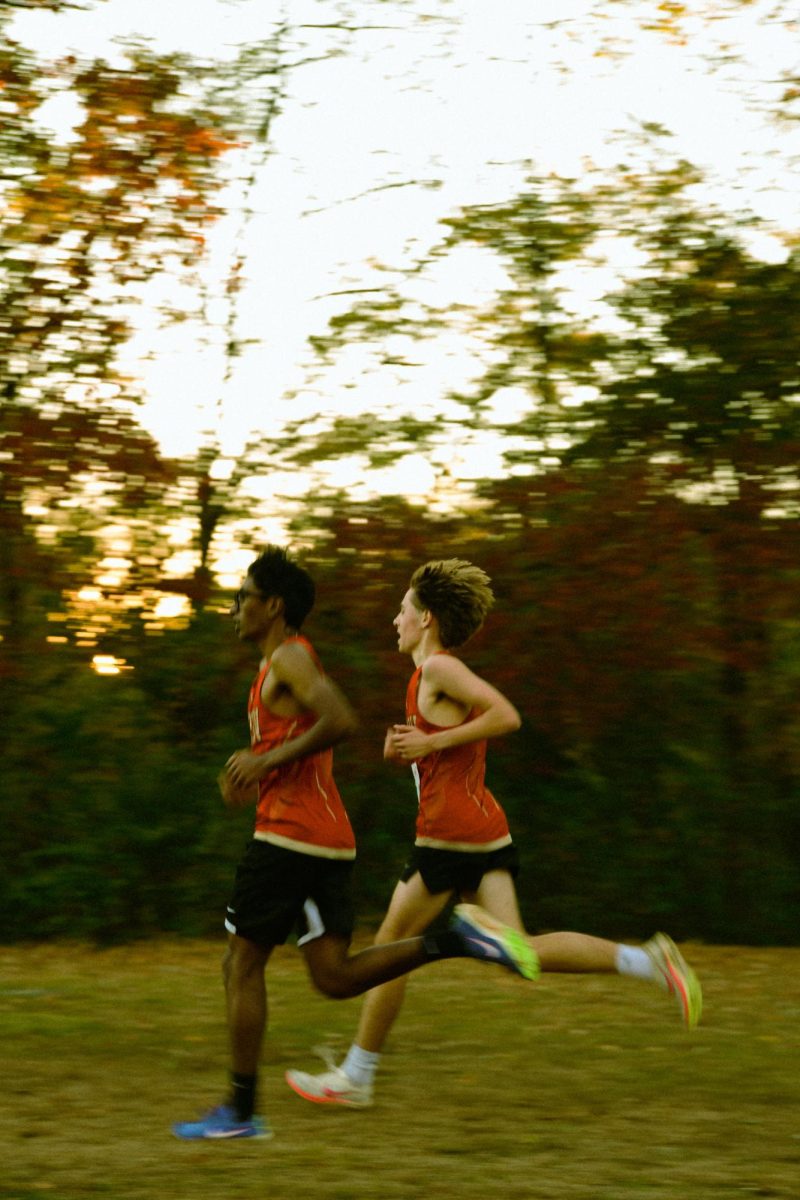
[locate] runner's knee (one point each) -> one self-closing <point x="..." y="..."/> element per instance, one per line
<point x="242" y="958"/>
<point x="333" y="983"/>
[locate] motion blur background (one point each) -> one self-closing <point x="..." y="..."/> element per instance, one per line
<point x="386" y="282"/>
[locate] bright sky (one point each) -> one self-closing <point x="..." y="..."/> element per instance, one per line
<point x="461" y="94"/>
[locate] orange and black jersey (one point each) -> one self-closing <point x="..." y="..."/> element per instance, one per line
<point x="456" y="809"/>
<point x="299" y="806"/>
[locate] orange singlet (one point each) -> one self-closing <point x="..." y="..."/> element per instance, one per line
<point x="456" y="809"/>
<point x="299" y="806"/>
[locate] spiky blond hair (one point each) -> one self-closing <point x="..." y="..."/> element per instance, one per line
<point x="457" y="593"/>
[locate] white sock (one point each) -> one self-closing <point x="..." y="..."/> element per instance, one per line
<point x="360" y="1065"/>
<point x="633" y="960"/>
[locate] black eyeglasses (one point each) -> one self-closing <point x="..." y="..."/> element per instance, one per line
<point x="242" y="595"/>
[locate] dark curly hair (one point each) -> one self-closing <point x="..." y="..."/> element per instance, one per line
<point x="275" y="574"/>
<point x="457" y="593"/>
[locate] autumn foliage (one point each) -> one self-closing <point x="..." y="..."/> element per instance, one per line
<point x="643" y="545"/>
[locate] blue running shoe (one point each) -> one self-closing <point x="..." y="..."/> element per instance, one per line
<point x="222" y="1124"/>
<point x="485" y="938"/>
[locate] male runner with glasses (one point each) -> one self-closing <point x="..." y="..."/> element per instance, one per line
<point x="296" y="871"/>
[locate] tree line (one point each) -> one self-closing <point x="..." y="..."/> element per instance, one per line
<point x="643" y="539"/>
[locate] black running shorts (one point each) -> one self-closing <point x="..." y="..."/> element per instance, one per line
<point x="458" y="870"/>
<point x="277" y="891"/>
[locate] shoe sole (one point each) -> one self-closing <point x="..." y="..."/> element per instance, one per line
<point x="233" y="1136"/>
<point x="337" y="1101"/>
<point x="236" y="1137"/>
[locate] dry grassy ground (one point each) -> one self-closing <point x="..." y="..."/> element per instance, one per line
<point x="571" y="1088"/>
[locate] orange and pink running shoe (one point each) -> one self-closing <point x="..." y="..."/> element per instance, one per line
<point x="677" y="976"/>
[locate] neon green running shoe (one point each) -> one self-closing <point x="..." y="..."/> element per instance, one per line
<point x="489" y="940"/>
<point x="677" y="976"/>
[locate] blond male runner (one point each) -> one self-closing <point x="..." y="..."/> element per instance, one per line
<point x="463" y="846"/>
<point x="296" y="870"/>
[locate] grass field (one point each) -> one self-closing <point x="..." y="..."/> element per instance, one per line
<point x="571" y="1088"/>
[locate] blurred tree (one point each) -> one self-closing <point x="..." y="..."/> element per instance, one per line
<point x="88" y="219"/>
<point x="643" y="541"/>
<point x="692" y="425"/>
<point x="650" y="515"/>
<point x="111" y="826"/>
<point x="93" y="773"/>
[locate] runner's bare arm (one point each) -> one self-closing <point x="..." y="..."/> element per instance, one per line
<point x="452" y="679"/>
<point x="293" y="667"/>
